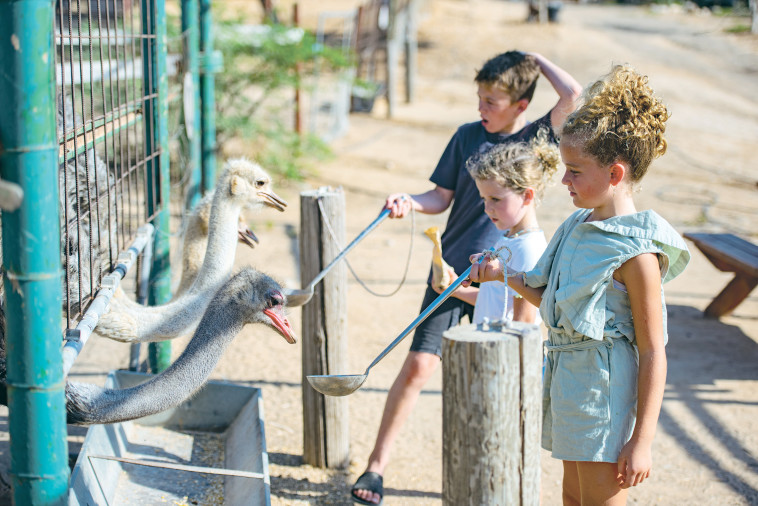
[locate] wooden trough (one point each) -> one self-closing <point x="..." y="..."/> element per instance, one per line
<point x="221" y="427"/>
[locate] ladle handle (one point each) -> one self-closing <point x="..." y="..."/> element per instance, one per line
<point x="420" y="318"/>
<point x="350" y="246"/>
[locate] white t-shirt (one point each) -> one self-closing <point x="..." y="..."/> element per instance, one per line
<point x="526" y="249"/>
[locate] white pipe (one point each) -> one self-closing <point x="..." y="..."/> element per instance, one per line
<point x="77" y="338"/>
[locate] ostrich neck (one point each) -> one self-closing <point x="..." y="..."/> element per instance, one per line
<point x="222" y="243"/>
<point x="186" y="375"/>
<point x="180" y="314"/>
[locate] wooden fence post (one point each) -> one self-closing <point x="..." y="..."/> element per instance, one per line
<point x="492" y="419"/>
<point x="411" y="51"/>
<point x="326" y="433"/>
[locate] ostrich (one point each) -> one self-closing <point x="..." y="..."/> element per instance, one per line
<point x="88" y="215"/>
<point x="195" y="241"/>
<point x="249" y="297"/>
<point x="241" y="184"/>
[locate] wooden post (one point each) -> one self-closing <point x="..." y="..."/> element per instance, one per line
<point x="491" y="414"/>
<point x="411" y="50"/>
<point x="396" y="34"/>
<point x="298" y="74"/>
<point x="542" y="11"/>
<point x="326" y="433"/>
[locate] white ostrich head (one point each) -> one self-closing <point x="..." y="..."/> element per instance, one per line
<point x="248" y="180"/>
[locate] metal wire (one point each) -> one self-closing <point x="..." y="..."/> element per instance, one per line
<point x="355" y="275"/>
<point x="104" y="156"/>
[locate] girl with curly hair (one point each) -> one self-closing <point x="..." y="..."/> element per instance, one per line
<point x="511" y="180"/>
<point x="599" y="289"/>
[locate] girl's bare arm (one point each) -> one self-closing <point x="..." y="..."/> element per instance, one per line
<point x="524" y="311"/>
<point x="492" y="269"/>
<point x="642" y="278"/>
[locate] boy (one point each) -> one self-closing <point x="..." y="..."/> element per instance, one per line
<point x="506" y="84"/>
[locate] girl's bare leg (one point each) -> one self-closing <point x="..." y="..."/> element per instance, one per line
<point x="571" y="494"/>
<point x="599" y="484"/>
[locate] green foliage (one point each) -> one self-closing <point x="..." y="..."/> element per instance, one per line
<point x="739" y="28"/>
<point x="262" y="66"/>
<point x="284" y="153"/>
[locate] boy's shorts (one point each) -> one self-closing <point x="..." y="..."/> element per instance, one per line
<point x="428" y="335"/>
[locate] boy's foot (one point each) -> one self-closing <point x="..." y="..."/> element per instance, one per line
<point x="368" y="489"/>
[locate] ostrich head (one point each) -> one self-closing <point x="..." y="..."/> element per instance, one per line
<point x="258" y="299"/>
<point x="249" y="181"/>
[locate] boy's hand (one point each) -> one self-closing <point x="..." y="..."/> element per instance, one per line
<point x="399" y="204"/>
<point x="634" y="464"/>
<point x="452" y="275"/>
<point x="489" y="270"/>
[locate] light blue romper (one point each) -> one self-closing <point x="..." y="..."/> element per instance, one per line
<point x="590" y="385"/>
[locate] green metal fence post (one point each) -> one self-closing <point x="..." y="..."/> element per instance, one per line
<point x="156" y="142"/>
<point x="210" y="63"/>
<point x="191" y="103"/>
<point x="31" y="255"/>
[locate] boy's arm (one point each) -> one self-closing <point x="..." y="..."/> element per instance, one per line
<point x="434" y="201"/>
<point x="465" y="293"/>
<point x="642" y="278"/>
<point x="567" y="87"/>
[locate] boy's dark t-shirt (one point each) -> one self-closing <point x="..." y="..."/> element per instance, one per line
<point x="468" y="228"/>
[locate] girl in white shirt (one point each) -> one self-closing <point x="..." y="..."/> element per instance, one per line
<point x="511" y="179"/>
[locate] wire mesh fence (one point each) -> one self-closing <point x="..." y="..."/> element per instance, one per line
<point x="105" y="86"/>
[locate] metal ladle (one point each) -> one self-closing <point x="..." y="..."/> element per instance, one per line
<point x="299" y="297"/>
<point x="346" y="384"/>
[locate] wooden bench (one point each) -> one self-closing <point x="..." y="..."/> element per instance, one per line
<point x="729" y="253"/>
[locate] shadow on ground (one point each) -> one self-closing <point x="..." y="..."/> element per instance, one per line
<point x="704" y="357"/>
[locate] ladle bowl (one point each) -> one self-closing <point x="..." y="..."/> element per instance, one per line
<point x="345" y="384"/>
<point x="297" y="297"/>
<point x="337" y="385"/>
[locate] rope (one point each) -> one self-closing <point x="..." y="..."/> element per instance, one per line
<point x="355" y="275"/>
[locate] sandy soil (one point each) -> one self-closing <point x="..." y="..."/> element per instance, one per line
<point x="706" y="449"/>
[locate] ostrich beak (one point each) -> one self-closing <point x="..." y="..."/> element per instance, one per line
<point x="272" y="199"/>
<point x="280" y="323"/>
<point x="246" y="236"/>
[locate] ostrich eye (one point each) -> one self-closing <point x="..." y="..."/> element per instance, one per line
<point x="275" y="298"/>
<point x="260" y="183"/>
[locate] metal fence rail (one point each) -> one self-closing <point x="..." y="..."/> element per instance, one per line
<point x="100" y="67"/>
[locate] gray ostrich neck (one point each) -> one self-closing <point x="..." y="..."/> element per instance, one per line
<point x="222" y="244"/>
<point x="187" y="374"/>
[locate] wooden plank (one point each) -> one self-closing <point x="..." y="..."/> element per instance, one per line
<point x="731" y="296"/>
<point x="728" y="252"/>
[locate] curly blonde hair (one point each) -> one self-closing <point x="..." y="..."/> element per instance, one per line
<point x="518" y="166"/>
<point x="620" y="119"/>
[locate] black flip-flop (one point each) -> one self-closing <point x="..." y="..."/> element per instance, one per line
<point x="371" y="481"/>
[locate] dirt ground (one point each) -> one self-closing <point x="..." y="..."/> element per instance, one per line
<point x="706" y="448"/>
